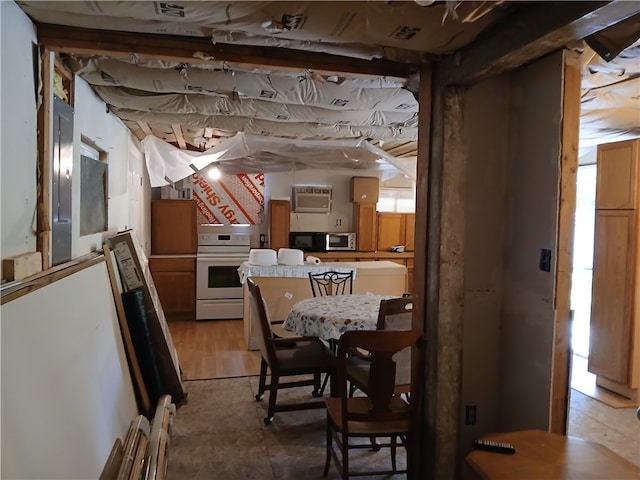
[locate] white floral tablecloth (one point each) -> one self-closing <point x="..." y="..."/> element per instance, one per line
<point x="290" y="271"/>
<point x="329" y="317"/>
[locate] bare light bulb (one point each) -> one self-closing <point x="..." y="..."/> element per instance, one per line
<point x="214" y="173"/>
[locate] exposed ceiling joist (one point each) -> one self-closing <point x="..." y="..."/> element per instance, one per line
<point x="82" y="41"/>
<point x="532" y="32"/>
<point x="145" y="128"/>
<point x="177" y="131"/>
<point x="406" y="149"/>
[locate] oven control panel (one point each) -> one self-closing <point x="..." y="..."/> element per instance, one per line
<point x="224" y="239"/>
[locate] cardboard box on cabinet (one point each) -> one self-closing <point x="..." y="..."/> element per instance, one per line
<point x="365" y="189"/>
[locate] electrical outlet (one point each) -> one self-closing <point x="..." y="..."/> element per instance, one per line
<point x="470" y="415"/>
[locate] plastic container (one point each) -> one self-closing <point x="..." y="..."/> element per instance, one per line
<point x="263" y="257"/>
<point x="290" y="256"/>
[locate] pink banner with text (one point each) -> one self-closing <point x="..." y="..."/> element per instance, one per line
<point x="230" y="200"/>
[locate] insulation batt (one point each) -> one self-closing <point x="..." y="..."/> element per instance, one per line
<point x="402" y="30"/>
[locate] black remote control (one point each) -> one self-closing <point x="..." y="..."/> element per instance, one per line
<point x="499" y="447"/>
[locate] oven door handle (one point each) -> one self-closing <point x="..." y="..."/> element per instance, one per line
<point x="220" y="262"/>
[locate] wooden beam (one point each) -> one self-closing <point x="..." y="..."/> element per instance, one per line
<point x="177" y="131"/>
<point x="561" y="381"/>
<point x="406" y="149"/>
<point x="73" y="40"/>
<point x="145" y="127"/>
<point x="43" y="203"/>
<point x="532" y="32"/>
<point x="425" y="274"/>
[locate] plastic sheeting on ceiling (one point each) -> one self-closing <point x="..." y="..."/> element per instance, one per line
<point x="200" y="104"/>
<point x="247" y="153"/>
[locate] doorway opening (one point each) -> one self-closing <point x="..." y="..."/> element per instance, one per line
<point x="582" y="276"/>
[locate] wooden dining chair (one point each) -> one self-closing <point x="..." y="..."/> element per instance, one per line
<point x="331" y="283"/>
<point x="382" y="413"/>
<point x="326" y="284"/>
<point x="394" y="314"/>
<point x="284" y="357"/>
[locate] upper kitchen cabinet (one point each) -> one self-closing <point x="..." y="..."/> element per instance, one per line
<point x="617" y="177"/>
<point x="279" y="224"/>
<point x="365" y="219"/>
<point x="174" y="228"/>
<point x="396" y="229"/>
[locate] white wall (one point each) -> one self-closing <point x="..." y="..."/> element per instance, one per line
<point x="126" y="170"/>
<point x="513" y="123"/>
<point x="18" y="141"/>
<point x="278" y="186"/>
<point x="530" y="225"/>
<point x="129" y="190"/>
<point x="66" y="389"/>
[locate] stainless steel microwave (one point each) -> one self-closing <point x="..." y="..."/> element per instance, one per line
<point x="341" y="241"/>
<point x="322" y="241"/>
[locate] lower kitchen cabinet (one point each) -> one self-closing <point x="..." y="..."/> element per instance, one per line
<point x="395" y="229"/>
<point x="175" y="282"/>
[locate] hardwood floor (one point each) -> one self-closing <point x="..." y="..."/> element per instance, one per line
<point x="213" y="349"/>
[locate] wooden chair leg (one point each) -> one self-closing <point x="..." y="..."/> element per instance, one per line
<point x="263" y="380"/>
<point x="320" y="391"/>
<point x="394" y="444"/>
<point x="273" y="395"/>
<point x="345" y="457"/>
<point x="327" y="460"/>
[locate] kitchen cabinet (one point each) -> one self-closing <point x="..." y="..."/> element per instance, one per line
<point x="617" y="177"/>
<point x="279" y="224"/>
<point x="409" y="264"/>
<point x="614" y="349"/>
<point x="409" y="231"/>
<point x="174" y="242"/>
<point x="365" y="219"/>
<point x="395" y="229"/>
<point x="175" y="282"/>
<point x="174" y="228"/>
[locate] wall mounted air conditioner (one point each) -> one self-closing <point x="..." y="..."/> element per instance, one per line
<point x="311" y="198"/>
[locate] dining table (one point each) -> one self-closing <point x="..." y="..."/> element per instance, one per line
<point x="328" y="317"/>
